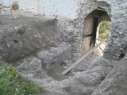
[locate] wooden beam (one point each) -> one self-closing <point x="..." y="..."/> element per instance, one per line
<point x="80" y="59"/>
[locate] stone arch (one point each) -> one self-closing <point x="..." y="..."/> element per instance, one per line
<point x="91" y="23"/>
<point x="105" y="6"/>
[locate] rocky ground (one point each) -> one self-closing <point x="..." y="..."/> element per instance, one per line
<point x="82" y="80"/>
<point x="36" y="49"/>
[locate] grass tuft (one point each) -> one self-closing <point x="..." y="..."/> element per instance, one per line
<point x="11" y="83"/>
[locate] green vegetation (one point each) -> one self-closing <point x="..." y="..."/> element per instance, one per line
<point x="103" y="30"/>
<point x="13" y="84"/>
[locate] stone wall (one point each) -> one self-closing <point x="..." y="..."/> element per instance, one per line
<point x="116" y="48"/>
<point x="72" y="28"/>
<point x="117" y="43"/>
<point x="68" y="30"/>
<point x="116" y="9"/>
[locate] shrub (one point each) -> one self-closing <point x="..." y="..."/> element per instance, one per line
<point x="103" y="30"/>
<point x="11" y="83"/>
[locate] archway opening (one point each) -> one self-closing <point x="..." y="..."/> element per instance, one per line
<point x="97" y="27"/>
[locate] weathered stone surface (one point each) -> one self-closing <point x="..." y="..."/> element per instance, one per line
<point x="85" y="82"/>
<point x="31" y="67"/>
<point x="116" y="81"/>
<point x="82" y="83"/>
<point x="47" y="63"/>
<point x="60" y="54"/>
<point x="19" y="38"/>
<point x="117" y="41"/>
<point x="73" y="29"/>
<point x="23" y="36"/>
<point x="84" y="64"/>
<point x="55" y="59"/>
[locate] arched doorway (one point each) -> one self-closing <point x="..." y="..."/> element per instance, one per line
<point x="96" y="25"/>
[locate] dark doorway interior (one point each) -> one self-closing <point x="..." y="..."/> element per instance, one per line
<point x="93" y="36"/>
<point x="90" y="32"/>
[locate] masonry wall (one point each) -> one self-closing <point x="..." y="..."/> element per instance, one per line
<point x="118" y="39"/>
<point x="72" y="23"/>
<point x="85" y="8"/>
<point x="73" y="29"/>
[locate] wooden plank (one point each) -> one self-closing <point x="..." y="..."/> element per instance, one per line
<point x="79" y="60"/>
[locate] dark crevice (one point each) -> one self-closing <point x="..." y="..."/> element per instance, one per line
<point x="15" y="41"/>
<point x="121" y="55"/>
